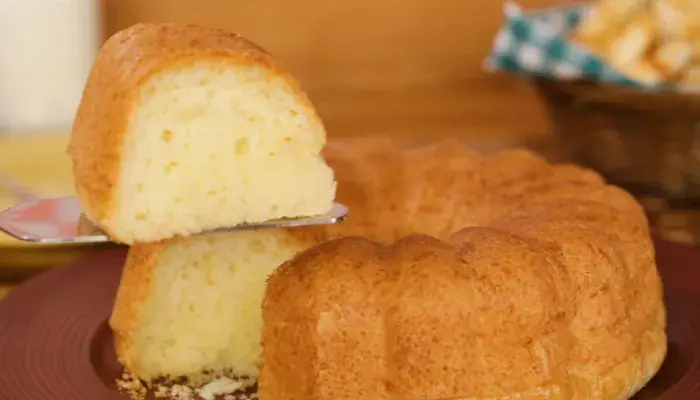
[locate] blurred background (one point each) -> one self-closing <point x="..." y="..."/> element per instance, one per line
<point x="409" y="67"/>
<point x="412" y="69"/>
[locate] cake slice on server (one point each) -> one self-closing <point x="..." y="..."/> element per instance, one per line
<point x="184" y="129"/>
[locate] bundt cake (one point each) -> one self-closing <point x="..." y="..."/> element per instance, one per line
<point x="468" y="277"/>
<point x="182" y="129"/>
<point x="457" y="276"/>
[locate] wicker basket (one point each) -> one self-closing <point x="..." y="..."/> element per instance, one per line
<point x="647" y="142"/>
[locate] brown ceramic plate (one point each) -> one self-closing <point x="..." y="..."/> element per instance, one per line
<point x="55" y="342"/>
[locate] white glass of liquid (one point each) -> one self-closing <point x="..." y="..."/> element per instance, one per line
<point x="47" y="48"/>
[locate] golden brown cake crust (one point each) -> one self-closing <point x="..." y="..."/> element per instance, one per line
<point x="134" y="289"/>
<point x="351" y="256"/>
<point x="127" y="61"/>
<point x="547" y="289"/>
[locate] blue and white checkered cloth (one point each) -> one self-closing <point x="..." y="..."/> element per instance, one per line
<point x="536" y="44"/>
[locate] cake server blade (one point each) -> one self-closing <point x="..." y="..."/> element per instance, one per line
<point x="61" y="221"/>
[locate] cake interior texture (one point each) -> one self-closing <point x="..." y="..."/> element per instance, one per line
<point x="214" y="145"/>
<point x="184" y="129"/>
<point x="192" y="305"/>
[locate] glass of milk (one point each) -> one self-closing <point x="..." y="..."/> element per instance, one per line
<point x="47" y="48"/>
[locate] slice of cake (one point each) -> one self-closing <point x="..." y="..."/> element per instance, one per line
<point x="188" y="306"/>
<point x="182" y="129"/>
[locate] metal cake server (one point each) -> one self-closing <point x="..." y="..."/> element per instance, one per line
<point x="61" y="221"/>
